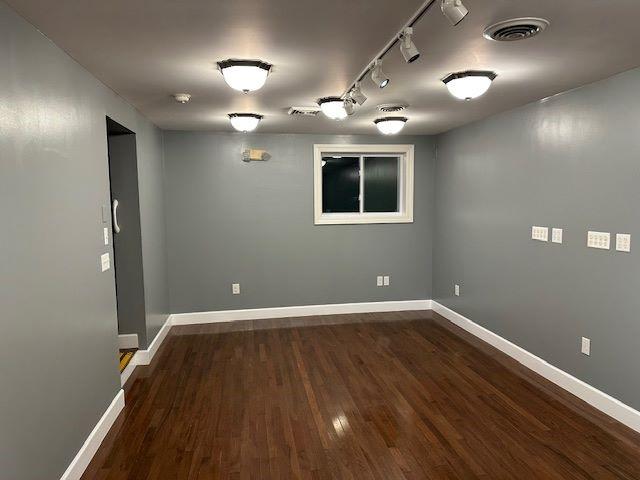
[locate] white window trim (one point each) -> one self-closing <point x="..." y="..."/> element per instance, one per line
<point x="406" y="185"/>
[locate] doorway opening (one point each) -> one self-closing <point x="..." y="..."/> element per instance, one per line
<point x="127" y="240"/>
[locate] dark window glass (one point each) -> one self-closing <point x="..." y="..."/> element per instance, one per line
<point x="380" y="184"/>
<point x="340" y="184"/>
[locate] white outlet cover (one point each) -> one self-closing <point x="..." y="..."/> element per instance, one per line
<point x="585" y="347"/>
<point x="105" y="234"/>
<point x="556" y="235"/>
<point x="379" y="281"/>
<point x="105" y="262"/>
<point x="540" y="233"/>
<point x="623" y="242"/>
<point x="235" y="288"/>
<point x="456" y="290"/>
<point x="386" y="280"/>
<point x="600" y="240"/>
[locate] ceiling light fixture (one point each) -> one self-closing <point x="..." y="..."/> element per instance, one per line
<point x="407" y="47"/>
<point x="245" y="75"/>
<point x="454" y="10"/>
<point x="333" y="107"/>
<point x="245" y="122"/>
<point x="378" y="77"/>
<point x="357" y="95"/>
<point x="182" y="97"/>
<point x="469" y="85"/>
<point x="390" y="125"/>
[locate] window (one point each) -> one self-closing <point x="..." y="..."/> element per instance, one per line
<point x="363" y="184"/>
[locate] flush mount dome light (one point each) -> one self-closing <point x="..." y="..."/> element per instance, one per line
<point x="245" y="75"/>
<point x="245" y="122"/>
<point x="390" y="125"/>
<point x="469" y="85"/>
<point x="333" y="107"/>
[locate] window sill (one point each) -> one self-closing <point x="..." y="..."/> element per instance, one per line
<point x="360" y="219"/>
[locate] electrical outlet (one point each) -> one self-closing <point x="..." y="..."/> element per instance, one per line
<point x="456" y="290"/>
<point x="386" y="280"/>
<point x="585" y="348"/>
<point x="540" y="233"/>
<point x="601" y="240"/>
<point x="623" y="242"/>
<point x="105" y="262"/>
<point x="379" y="281"/>
<point x="556" y="235"/>
<point x="235" y="289"/>
<point x="105" y="234"/>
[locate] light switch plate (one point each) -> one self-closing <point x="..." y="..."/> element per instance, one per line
<point x="585" y="348"/>
<point x="379" y="281"/>
<point x="556" y="235"/>
<point x="235" y="288"/>
<point x="105" y="234"/>
<point x="456" y="290"/>
<point x="105" y="262"/>
<point x="386" y="281"/>
<point x="540" y="233"/>
<point x="601" y="240"/>
<point x="623" y="242"/>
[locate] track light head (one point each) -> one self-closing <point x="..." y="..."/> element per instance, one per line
<point x="349" y="105"/>
<point x="357" y="95"/>
<point x="407" y="47"/>
<point x="378" y="77"/>
<point x="454" y="10"/>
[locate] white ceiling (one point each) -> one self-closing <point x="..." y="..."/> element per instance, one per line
<point x="147" y="50"/>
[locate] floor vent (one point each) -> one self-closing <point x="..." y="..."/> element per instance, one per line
<point x="516" y="29"/>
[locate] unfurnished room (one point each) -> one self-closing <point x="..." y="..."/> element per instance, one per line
<point x="339" y="239"/>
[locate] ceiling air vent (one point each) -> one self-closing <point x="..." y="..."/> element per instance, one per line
<point x="516" y="29"/>
<point x="304" y="111"/>
<point x="392" y="107"/>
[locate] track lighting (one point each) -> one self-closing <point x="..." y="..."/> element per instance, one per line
<point x="407" y="47"/>
<point x="245" y="75"/>
<point x="469" y="85"/>
<point x="357" y="95"/>
<point x="349" y="105"/>
<point x="390" y="125"/>
<point x="454" y="10"/>
<point x="333" y="107"/>
<point x="245" y="122"/>
<point x="377" y="75"/>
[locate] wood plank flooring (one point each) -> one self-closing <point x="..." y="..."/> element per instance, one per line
<point x="386" y="396"/>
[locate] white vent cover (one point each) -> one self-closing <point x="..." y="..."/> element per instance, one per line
<point x="304" y="111"/>
<point x="516" y="29"/>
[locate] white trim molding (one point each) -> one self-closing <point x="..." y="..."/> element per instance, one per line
<point x="81" y="461"/>
<point x="594" y="397"/>
<point x="144" y="357"/>
<point x="298" y="311"/>
<point x="405" y="186"/>
<point x="128" y="340"/>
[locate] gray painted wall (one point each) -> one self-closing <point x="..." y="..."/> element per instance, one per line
<point x="59" y="339"/>
<point x="252" y="223"/>
<point x="571" y="161"/>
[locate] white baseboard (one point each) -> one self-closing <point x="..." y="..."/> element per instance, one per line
<point x="128" y="340"/>
<point x="298" y="311"/>
<point x="144" y="357"/>
<point x="79" y="464"/>
<point x="594" y="397"/>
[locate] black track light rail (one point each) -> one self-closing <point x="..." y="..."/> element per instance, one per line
<point x="415" y="19"/>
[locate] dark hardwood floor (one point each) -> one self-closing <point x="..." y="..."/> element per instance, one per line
<point x="374" y="396"/>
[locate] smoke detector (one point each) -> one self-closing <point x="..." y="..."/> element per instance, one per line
<point x="182" y="97"/>
<point x="392" y="107"/>
<point x="516" y="29"/>
<point x="304" y="111"/>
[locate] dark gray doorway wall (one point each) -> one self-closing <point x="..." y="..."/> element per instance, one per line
<point x="127" y="243"/>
